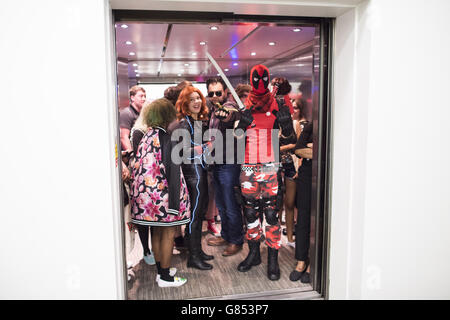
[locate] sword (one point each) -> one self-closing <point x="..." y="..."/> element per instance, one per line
<point x="225" y="79"/>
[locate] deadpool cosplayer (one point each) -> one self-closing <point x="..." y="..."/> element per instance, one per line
<point x="258" y="177"/>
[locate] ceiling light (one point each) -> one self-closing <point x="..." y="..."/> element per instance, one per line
<point x="202" y="43"/>
<point x="297" y="30"/>
<point x="218" y="74"/>
<point x="304" y="58"/>
<point x="253" y="53"/>
<point x="271" y="43"/>
<point x="235" y="64"/>
<point x="124" y="26"/>
<point x="179" y="74"/>
<point x="214" y="28"/>
<point x="300" y="65"/>
<point x="194" y="53"/>
<point x="137" y="74"/>
<point x="136" y="71"/>
<point x="226" y="69"/>
<point x="128" y="42"/>
<point x="186" y="64"/>
<point x="132" y="53"/>
<point x="135" y="64"/>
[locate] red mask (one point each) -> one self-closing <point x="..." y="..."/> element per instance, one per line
<point x="259" y="79"/>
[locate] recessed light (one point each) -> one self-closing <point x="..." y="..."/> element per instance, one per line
<point x="194" y="53"/>
<point x="179" y="74"/>
<point x="137" y="74"/>
<point x="271" y="43"/>
<point x="226" y="69"/>
<point x="297" y="30"/>
<point x="132" y="53"/>
<point x="135" y="64"/>
<point x="128" y="42"/>
<point x="300" y="65"/>
<point x="202" y="43"/>
<point x="214" y="28"/>
<point x="136" y="71"/>
<point x="218" y="74"/>
<point x="124" y="26"/>
<point x="186" y="64"/>
<point x="235" y="64"/>
<point x="253" y="53"/>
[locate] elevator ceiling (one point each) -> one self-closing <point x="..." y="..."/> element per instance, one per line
<point x="163" y="52"/>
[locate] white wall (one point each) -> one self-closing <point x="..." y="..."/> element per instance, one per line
<point x="57" y="235"/>
<point x="390" y="232"/>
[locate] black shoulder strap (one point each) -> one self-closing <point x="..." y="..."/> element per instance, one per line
<point x="280" y="101"/>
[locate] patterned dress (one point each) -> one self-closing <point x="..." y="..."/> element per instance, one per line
<point x="150" y="188"/>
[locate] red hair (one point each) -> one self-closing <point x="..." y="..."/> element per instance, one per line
<point x="183" y="101"/>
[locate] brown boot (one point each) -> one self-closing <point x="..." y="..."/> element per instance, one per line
<point x="232" y="249"/>
<point x="216" y="241"/>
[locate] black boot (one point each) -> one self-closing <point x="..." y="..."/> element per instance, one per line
<point x="195" y="261"/>
<point x="195" y="253"/>
<point x="253" y="258"/>
<point x="204" y="256"/>
<point x="273" y="270"/>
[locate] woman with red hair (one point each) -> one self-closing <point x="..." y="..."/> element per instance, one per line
<point x="193" y="122"/>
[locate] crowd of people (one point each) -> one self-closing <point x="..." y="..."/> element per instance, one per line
<point x="188" y="158"/>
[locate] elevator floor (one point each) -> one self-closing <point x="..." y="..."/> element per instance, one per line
<point x="222" y="282"/>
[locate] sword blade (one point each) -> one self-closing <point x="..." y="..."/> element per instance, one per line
<point x="225" y="79"/>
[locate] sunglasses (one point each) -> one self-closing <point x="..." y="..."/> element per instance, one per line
<point x="211" y="93"/>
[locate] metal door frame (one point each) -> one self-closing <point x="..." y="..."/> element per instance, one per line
<point x="321" y="117"/>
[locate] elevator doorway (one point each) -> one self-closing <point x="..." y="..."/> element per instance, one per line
<point x="159" y="49"/>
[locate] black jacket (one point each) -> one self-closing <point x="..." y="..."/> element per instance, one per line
<point x="172" y="169"/>
<point x="191" y="159"/>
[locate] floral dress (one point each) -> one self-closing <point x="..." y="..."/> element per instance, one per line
<point x="150" y="187"/>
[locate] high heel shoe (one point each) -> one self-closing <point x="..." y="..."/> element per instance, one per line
<point x="212" y="228"/>
<point x="297" y="275"/>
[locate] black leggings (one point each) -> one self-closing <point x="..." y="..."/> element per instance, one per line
<point x="197" y="184"/>
<point x="303" y="226"/>
<point x="143" y="235"/>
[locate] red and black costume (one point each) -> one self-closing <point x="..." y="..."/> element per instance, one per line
<point x="258" y="178"/>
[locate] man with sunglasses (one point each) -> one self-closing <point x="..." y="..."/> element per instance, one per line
<point x="217" y="90"/>
<point x="225" y="177"/>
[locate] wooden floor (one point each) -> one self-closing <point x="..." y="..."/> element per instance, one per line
<point x="222" y="282"/>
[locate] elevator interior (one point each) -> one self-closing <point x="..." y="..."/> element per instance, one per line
<point x="156" y="53"/>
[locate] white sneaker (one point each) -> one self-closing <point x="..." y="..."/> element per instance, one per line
<point x="177" y="281"/>
<point x="172" y="272"/>
<point x="291" y="244"/>
<point x="150" y="259"/>
<point x="130" y="274"/>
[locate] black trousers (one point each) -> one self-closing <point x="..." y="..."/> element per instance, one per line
<point x="303" y="226"/>
<point x="197" y="184"/>
<point x="143" y="236"/>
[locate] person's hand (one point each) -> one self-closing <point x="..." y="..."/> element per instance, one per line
<point x="284" y="120"/>
<point x="125" y="172"/>
<point x="221" y="113"/>
<point x="203" y="148"/>
<point x="246" y="118"/>
<point x="126" y="156"/>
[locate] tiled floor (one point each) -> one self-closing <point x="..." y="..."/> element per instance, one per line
<point x="222" y="282"/>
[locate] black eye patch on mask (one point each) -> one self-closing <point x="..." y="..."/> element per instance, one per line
<point x="257" y="77"/>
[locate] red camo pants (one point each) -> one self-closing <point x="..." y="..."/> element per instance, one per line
<point x="259" y="187"/>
